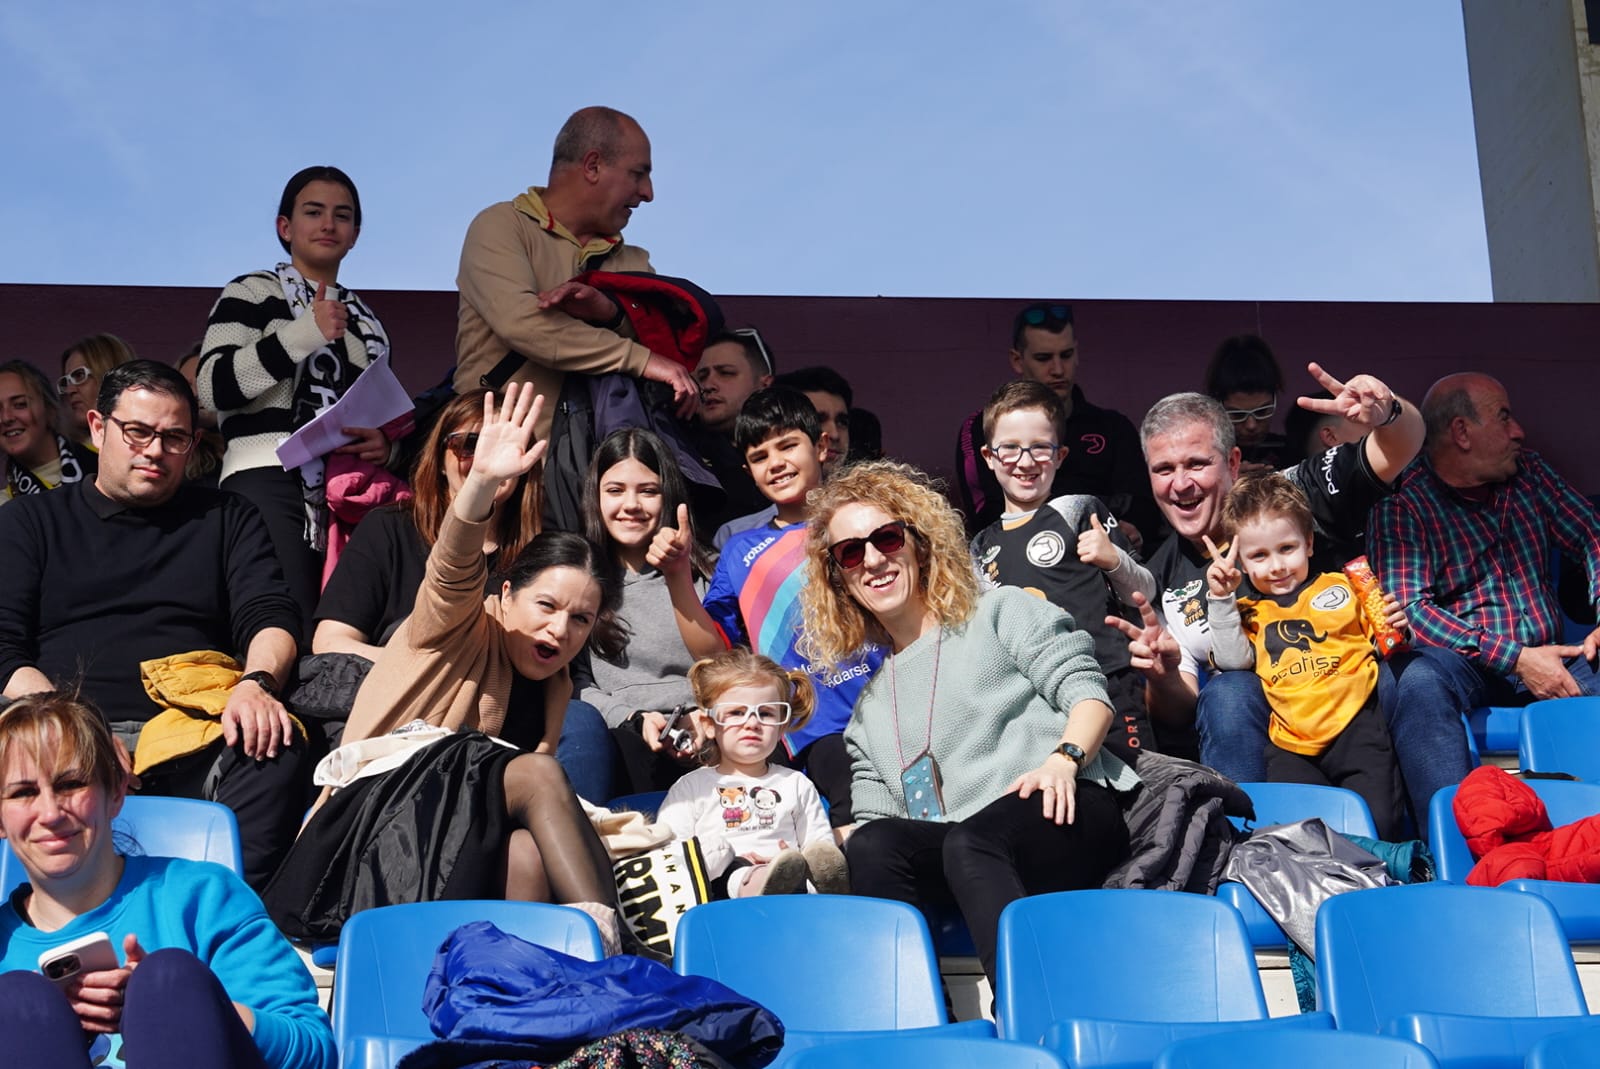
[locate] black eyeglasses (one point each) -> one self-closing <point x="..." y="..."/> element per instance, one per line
<point x="138" y="436"/>
<point x="463" y="444"/>
<point x="1037" y="315"/>
<point x="76" y="377"/>
<point x="729" y="714"/>
<point x="848" y="553"/>
<point x="1240" y="415"/>
<point x="1010" y="453"/>
<point x="755" y="336"/>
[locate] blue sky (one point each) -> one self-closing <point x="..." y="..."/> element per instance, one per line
<point x="1235" y="149"/>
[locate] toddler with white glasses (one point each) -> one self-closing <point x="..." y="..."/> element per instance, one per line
<point x="762" y="828"/>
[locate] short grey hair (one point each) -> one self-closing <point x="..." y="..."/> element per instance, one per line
<point x="1181" y="409"/>
<point x="594" y="129"/>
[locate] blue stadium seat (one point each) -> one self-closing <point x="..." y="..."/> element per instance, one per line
<point x="1577" y="904"/>
<point x="1475" y="974"/>
<point x="830" y="966"/>
<point x="161" y="827"/>
<point x="385" y="954"/>
<point x="1275" y="1048"/>
<point x="1492" y="729"/>
<point x="1575" y="1048"/>
<point x="1561" y="735"/>
<point x="1283" y="803"/>
<point x="1111" y="977"/>
<point x="925" y="1052"/>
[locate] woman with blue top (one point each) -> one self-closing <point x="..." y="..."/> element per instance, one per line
<point x="977" y="775"/>
<point x="204" y="979"/>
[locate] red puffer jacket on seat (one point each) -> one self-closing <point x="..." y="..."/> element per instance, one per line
<point x="1509" y="832"/>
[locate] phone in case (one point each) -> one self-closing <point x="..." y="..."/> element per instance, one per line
<point x="90" y="953"/>
<point x="923" y="792"/>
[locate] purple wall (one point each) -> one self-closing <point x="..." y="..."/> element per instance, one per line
<point x="923" y="364"/>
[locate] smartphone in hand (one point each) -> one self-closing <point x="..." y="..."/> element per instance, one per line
<point x="89" y="953"/>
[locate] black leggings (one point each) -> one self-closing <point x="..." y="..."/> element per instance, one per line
<point x="1005" y="851"/>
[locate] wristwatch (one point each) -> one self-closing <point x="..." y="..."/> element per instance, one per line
<point x="1395" y="408"/>
<point x="263" y="680"/>
<point x="1073" y="752"/>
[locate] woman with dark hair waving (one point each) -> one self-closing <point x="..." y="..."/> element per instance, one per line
<point x="173" y="962"/>
<point x="282" y="346"/>
<point x="977" y="774"/>
<point x="478" y="818"/>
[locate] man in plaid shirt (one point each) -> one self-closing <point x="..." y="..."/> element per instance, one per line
<point x="1465" y="544"/>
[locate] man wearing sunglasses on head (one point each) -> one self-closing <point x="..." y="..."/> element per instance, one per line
<point x="1102" y="449"/>
<point x="133" y="567"/>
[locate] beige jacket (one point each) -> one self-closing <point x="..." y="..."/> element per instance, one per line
<point x="514" y="250"/>
<point x="447" y="663"/>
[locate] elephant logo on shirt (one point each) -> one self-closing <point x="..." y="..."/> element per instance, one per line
<point x="1284" y="635"/>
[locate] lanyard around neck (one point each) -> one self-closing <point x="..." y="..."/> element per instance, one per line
<point x="894" y="705"/>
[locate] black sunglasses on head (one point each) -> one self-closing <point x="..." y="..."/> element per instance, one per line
<point x="1037" y="315"/>
<point x="848" y="553"/>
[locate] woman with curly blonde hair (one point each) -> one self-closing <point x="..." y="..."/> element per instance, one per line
<point x="987" y="783"/>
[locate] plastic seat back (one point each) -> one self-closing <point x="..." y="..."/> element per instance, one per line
<point x="385" y="954"/>
<point x="1561" y="735"/>
<point x="1573" y="1048"/>
<point x="161" y="827"/>
<point x="925" y="1052"/>
<point x="827" y="963"/>
<point x="1302" y="1049"/>
<point x="1123" y="954"/>
<point x="1284" y="803"/>
<point x="1565" y="800"/>
<point x="1442" y="949"/>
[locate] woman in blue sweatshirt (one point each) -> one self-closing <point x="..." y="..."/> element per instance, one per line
<point x="204" y="978"/>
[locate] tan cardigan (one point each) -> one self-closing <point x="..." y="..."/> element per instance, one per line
<point x="447" y="662"/>
<point x="512" y="251"/>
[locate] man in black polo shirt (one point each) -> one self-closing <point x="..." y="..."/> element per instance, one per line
<point x="134" y="566"/>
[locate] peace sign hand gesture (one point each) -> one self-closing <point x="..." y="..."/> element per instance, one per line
<point x="1223" y="576"/>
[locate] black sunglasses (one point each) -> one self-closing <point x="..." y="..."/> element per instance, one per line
<point x="1037" y="315"/>
<point x="464" y="444"/>
<point x="848" y="553"/>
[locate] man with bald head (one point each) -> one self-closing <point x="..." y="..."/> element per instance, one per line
<point x="520" y="318"/>
<point x="1465" y="544"/>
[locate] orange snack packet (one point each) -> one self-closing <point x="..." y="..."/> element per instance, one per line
<point x="1365" y="583"/>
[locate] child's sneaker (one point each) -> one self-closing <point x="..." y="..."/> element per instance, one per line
<point x="786" y="874"/>
<point x="829" y="873"/>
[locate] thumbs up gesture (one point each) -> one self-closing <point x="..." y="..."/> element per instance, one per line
<point x="330" y="314"/>
<point x="669" y="550"/>
<point x="1095" y="546"/>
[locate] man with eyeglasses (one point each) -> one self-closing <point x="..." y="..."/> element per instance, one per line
<point x="134" y="566"/>
<point x="1193" y="462"/>
<point x="1102" y="449"/>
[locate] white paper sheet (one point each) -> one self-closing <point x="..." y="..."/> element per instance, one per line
<point x="373" y="399"/>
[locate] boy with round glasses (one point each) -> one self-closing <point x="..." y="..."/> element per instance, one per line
<point x="1068" y="549"/>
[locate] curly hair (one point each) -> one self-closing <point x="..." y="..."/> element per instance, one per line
<point x="516" y="518"/>
<point x="836" y="625"/>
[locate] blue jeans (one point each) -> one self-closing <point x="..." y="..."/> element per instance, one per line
<point x="1434" y="688"/>
<point x="585" y="752"/>
<point x="1231" y="716"/>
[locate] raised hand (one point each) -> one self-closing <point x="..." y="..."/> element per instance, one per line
<point x="1364" y="400"/>
<point x="669" y="549"/>
<point x="331" y="315"/>
<point x="1223" y="576"/>
<point x="506" y="449"/>
<point x="1151" y="647"/>
<point x="1095" y="546"/>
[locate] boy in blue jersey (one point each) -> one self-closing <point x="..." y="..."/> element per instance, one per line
<point x="1067" y="550"/>
<point x="755" y="592"/>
